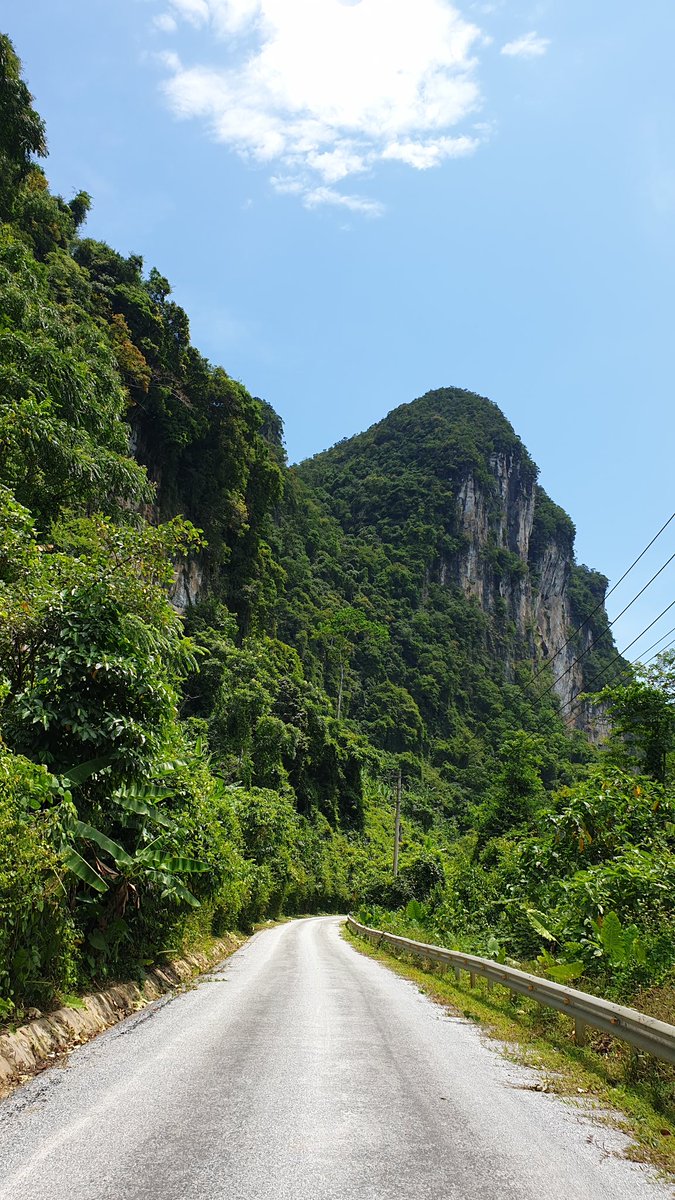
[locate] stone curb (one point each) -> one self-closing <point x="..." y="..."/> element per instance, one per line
<point x="36" y="1045"/>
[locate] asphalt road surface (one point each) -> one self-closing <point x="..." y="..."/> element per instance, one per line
<point x="302" y="1070"/>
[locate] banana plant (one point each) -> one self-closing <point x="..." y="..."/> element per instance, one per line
<point x="621" y="945"/>
<point x="126" y="870"/>
<point x="559" y="972"/>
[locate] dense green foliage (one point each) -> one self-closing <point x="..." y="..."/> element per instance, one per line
<point x="165" y="774"/>
<point x="581" y="884"/>
<point x="142" y="800"/>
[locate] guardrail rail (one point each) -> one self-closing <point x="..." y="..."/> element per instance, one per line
<point x="646" y="1033"/>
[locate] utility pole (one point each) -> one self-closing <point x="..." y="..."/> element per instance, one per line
<point x="397" y="822"/>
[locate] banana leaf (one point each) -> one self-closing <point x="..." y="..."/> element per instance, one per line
<point x="175" y="864"/>
<point x="79" y="867"/>
<point x="143" y="808"/>
<point x="117" y="852"/>
<point x="84" y="770"/>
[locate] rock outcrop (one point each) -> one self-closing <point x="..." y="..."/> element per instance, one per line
<point x="506" y="562"/>
<point x="189" y="582"/>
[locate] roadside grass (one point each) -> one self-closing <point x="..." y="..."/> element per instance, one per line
<point x="204" y="944"/>
<point x="192" y="942"/>
<point x="638" y="1090"/>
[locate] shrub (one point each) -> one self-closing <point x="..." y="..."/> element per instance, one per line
<point x="38" y="956"/>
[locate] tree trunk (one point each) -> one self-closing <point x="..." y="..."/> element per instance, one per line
<point x="341" y="688"/>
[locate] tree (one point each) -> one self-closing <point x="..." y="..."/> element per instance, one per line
<point x="518" y="788"/>
<point x="63" y="440"/>
<point x="22" y="130"/>
<point x="643" y="722"/>
<point x="395" y="723"/>
<point x="340" y="632"/>
<point x="90" y="648"/>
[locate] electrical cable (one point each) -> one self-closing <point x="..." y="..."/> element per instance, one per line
<point x="645" y="662"/>
<point x="619" y="656"/>
<point x="604" y="600"/>
<point x="609" y="626"/>
<point x="663" y="635"/>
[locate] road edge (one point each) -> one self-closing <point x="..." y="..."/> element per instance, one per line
<point x="32" y="1047"/>
<point x="561" y="1071"/>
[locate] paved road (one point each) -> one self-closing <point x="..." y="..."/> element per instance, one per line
<point x="301" y="1071"/>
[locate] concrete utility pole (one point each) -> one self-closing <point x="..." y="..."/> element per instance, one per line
<point x="397" y="823"/>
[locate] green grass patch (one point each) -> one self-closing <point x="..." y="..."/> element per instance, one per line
<point x="606" y="1072"/>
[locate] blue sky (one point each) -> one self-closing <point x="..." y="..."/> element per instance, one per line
<point x="359" y="200"/>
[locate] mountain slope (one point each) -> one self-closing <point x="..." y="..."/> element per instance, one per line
<point x="432" y="524"/>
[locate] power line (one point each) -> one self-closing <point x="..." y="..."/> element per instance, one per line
<point x="663" y="635"/>
<point x="609" y="626"/>
<point x="647" y="661"/>
<point x="635" y="639"/>
<point x="604" y="600"/>
<point x="620" y="655"/>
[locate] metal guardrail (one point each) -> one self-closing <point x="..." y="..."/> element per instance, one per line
<point x="656" y="1037"/>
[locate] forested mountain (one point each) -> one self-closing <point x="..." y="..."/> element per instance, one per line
<point x="432" y="525"/>
<point x="211" y="663"/>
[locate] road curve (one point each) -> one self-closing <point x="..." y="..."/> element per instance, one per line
<point x="301" y="1071"/>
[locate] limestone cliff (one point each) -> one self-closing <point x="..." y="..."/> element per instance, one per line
<point x="509" y="562"/>
<point x="188" y="587"/>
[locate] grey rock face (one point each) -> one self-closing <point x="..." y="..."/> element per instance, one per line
<point x="498" y="566"/>
<point x="188" y="584"/>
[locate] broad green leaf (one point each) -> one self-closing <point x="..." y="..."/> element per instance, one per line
<point x="94" y="835"/>
<point x="183" y="894"/>
<point x="536" y="920"/>
<point x="143" y="808"/>
<point x="565" y="972"/>
<point x="175" y="864"/>
<point x="640" y="952"/>
<point x="145" y="791"/>
<point x="495" y="949"/>
<point x="612" y="938"/>
<point x="79" y="867"/>
<point x="84" y="770"/>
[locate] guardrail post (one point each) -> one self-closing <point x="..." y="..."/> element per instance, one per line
<point x="472" y="979"/>
<point x="580" y="1035"/>
<point x="458" y="973"/>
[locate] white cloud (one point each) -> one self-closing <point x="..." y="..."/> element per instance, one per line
<point x="234" y="16"/>
<point x="313" y="197"/>
<point x="360" y="204"/>
<point x="337" y="164"/>
<point x="286" y="186"/>
<point x="423" y="155"/>
<point x="530" y="45"/>
<point x="165" y="23"/>
<point x="169" y="59"/>
<point x="326" y="89"/>
<point x="194" y="11"/>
